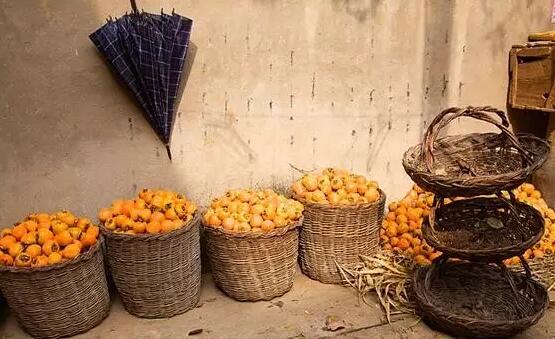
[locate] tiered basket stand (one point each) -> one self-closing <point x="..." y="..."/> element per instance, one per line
<point x="468" y="291"/>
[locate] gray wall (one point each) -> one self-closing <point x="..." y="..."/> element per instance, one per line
<point x="311" y="83"/>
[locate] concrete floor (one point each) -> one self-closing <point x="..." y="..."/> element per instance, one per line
<point x="301" y="313"/>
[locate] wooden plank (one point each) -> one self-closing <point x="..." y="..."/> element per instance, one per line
<point x="533" y="77"/>
<point x="534" y="52"/>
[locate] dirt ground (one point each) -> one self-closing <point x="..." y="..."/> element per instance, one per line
<point x="301" y="313"/>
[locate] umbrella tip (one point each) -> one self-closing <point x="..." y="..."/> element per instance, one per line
<point x="168" y="150"/>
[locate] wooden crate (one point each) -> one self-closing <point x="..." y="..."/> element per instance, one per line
<point x="531" y="102"/>
<point x="531" y="75"/>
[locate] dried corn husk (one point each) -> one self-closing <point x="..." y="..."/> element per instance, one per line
<point x="386" y="274"/>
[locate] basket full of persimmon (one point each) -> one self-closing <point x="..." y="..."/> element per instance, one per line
<point x="252" y="240"/>
<point x="153" y="252"/>
<point x="343" y="215"/>
<point x="52" y="274"/>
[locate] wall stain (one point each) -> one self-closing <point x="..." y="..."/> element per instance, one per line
<point x="271" y="104"/>
<point x="247" y="42"/>
<point x="203" y="68"/>
<point x="445" y="82"/>
<point x="461" y="84"/>
<point x="225" y="38"/>
<point x="332" y="104"/>
<point x="313" y="84"/>
<point x="353" y="133"/>
<point x="291" y="58"/>
<point x="352" y="94"/>
<point x="225" y="103"/>
<point x="131" y="132"/>
<point x="291" y="100"/>
<point x="291" y="118"/>
<point x="371" y="96"/>
<point x="249" y="104"/>
<point x="157" y="152"/>
<point x="204" y="98"/>
<point x="292" y="140"/>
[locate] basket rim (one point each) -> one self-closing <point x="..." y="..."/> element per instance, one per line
<point x="424" y="270"/>
<point x="278" y="231"/>
<point x="343" y="206"/>
<point x="150" y="237"/>
<point x="428" y="228"/>
<point x="80" y="258"/>
<point x="467" y="180"/>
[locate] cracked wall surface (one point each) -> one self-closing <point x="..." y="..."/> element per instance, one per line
<point x="272" y="83"/>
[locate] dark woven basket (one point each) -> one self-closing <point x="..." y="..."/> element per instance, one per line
<point x="59" y="300"/>
<point x="253" y="266"/>
<point x="156" y="275"/>
<point x="452" y="229"/>
<point x="473" y="164"/>
<point x="476" y="300"/>
<point x="338" y="234"/>
<point x="543" y="270"/>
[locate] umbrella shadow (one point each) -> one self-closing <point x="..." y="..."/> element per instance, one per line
<point x="232" y="139"/>
<point x="188" y="65"/>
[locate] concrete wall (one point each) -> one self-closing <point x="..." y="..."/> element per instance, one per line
<point x="310" y="83"/>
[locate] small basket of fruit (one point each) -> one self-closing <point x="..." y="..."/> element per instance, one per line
<point x="153" y="251"/>
<point x="343" y="215"/>
<point x="52" y="274"/>
<point x="252" y="242"/>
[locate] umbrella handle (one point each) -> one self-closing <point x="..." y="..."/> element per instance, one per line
<point x="134" y="6"/>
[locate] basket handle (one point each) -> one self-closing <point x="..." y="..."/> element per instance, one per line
<point x="485" y="113"/>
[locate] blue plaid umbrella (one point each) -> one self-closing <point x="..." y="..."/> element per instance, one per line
<point x="147" y="52"/>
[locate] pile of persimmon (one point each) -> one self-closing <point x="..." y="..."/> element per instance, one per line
<point x="46" y="239"/>
<point x="336" y="187"/>
<point x="152" y="212"/>
<point x="528" y="194"/>
<point x="252" y="211"/>
<point x="401" y="227"/>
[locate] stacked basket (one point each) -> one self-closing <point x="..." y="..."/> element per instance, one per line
<point x="478" y="296"/>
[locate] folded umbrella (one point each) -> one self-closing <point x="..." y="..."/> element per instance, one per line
<point x="147" y="52"/>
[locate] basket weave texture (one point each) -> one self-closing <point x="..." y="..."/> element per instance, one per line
<point x="477" y="163"/>
<point x="543" y="269"/>
<point x="476" y="300"/>
<point x="156" y="275"/>
<point x="452" y="229"/>
<point x="338" y="234"/>
<point x="253" y="266"/>
<point x="59" y="300"/>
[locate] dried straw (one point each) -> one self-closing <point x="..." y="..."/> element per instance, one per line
<point x="386" y="274"/>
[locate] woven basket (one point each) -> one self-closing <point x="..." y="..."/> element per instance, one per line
<point x="156" y="275"/>
<point x="253" y="266"/>
<point x="338" y="234"/>
<point x="543" y="270"/>
<point x="476" y="300"/>
<point x="452" y="229"/>
<point x="473" y="164"/>
<point x="59" y="300"/>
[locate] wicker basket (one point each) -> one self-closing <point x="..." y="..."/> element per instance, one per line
<point x="156" y="275"/>
<point x="543" y="269"/>
<point x="473" y="164"/>
<point x="59" y="300"/>
<point x="253" y="266"/>
<point x="452" y="229"/>
<point x="476" y="300"/>
<point x="338" y="234"/>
